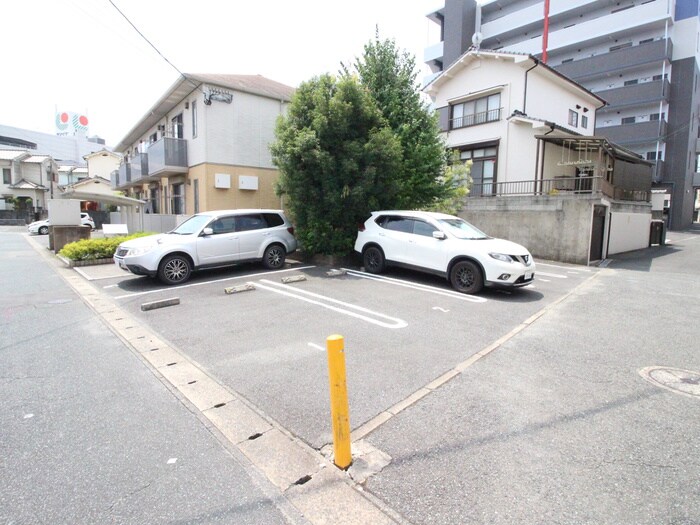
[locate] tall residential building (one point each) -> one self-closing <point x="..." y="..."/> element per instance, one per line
<point x="641" y="56"/>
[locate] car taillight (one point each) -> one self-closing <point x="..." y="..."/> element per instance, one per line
<point x="361" y="227"/>
<point x="291" y="230"/>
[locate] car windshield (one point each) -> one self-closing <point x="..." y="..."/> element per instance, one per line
<point x="462" y="229"/>
<point x="192" y="225"/>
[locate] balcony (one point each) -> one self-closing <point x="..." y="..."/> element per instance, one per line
<point x="561" y="186"/>
<point x="635" y="95"/>
<point x="432" y="56"/>
<point x="131" y="172"/>
<point x="474" y="119"/>
<point x="167" y="157"/>
<point x="637" y="133"/>
<point x="658" y="171"/>
<point x="650" y="15"/>
<point x="619" y="61"/>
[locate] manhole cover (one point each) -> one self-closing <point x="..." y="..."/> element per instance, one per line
<point x="674" y="379"/>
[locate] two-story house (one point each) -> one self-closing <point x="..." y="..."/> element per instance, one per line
<point x="204" y="145"/>
<point x="27" y="181"/>
<point x="540" y="176"/>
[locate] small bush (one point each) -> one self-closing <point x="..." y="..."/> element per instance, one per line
<point x="91" y="249"/>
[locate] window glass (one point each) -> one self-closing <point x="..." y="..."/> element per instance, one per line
<point x="250" y="222"/>
<point x="6" y="176"/>
<point x="423" y="228"/>
<point x="192" y="225"/>
<point x="223" y="225"/>
<point x="573" y="118"/>
<point x="194" y="118"/>
<point x="465" y="155"/>
<point x="273" y="219"/>
<point x="584" y="121"/>
<point x="462" y="229"/>
<point x="398" y="224"/>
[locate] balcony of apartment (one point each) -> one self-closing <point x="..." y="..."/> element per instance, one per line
<point x="635" y="95"/>
<point x="622" y="23"/>
<point x="433" y="56"/>
<point x="132" y="171"/>
<point x="167" y="157"/>
<point x="658" y="171"/>
<point x="619" y="61"/>
<point x="561" y="187"/>
<point x="646" y="132"/>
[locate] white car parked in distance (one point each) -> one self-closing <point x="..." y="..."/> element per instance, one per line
<point x="207" y="240"/>
<point x="42" y="227"/>
<point x="444" y="245"/>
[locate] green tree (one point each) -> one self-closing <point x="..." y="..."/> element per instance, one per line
<point x="390" y="76"/>
<point x="457" y="177"/>
<point x="338" y="160"/>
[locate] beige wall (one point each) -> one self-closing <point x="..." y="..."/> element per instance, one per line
<point x="211" y="198"/>
<point x="103" y="166"/>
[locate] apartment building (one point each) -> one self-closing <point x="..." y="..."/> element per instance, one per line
<point x="641" y="56"/>
<point x="204" y="145"/>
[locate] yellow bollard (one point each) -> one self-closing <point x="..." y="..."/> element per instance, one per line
<point x="340" y="412"/>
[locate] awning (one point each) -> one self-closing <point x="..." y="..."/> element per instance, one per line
<point x="116" y="200"/>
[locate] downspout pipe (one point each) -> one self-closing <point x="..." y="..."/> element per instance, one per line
<point x="537" y="63"/>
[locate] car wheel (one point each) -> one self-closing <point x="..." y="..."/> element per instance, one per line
<point x="273" y="258"/>
<point x="43" y="230"/>
<point x="466" y="277"/>
<point x="373" y="259"/>
<point x="174" y="269"/>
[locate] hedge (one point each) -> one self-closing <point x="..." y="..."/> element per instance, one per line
<point x="91" y="249"/>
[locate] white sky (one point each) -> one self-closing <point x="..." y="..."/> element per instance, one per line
<point x="82" y="56"/>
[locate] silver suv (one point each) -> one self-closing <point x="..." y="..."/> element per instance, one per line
<point x="207" y="240"/>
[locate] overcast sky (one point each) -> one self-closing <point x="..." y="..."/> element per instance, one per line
<point x="82" y="56"/>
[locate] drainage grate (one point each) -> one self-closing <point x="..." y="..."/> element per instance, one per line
<point x="685" y="382"/>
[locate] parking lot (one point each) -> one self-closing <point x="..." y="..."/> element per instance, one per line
<point x="402" y="330"/>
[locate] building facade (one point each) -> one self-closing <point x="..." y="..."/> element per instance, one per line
<point x="641" y="56"/>
<point x="205" y="145"/>
<point x="552" y="185"/>
<point x="28" y="181"/>
<point x="68" y="150"/>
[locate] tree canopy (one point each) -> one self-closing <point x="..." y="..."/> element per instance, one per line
<point x="337" y="161"/>
<point x="361" y="142"/>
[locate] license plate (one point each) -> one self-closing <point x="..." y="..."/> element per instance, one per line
<point x="528" y="276"/>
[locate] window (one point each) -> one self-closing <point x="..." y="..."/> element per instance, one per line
<point x="629" y="120"/>
<point x="483" y="172"/>
<point x="631" y="82"/>
<point x="397" y="224"/>
<point x="659" y="77"/>
<point x="584" y="121"/>
<point x="423" y="228"/>
<point x="653" y="155"/>
<point x="223" y="225"/>
<point x="177" y="130"/>
<point x="253" y="221"/>
<point x="6" y="176"/>
<point x="621" y="46"/>
<point x="153" y="137"/>
<point x="566" y="60"/>
<point x="573" y="118"/>
<point x="154" y="200"/>
<point x="478" y="111"/>
<point x="657" y="116"/>
<point x="178" y="199"/>
<point x="646" y="40"/>
<point x="194" y="119"/>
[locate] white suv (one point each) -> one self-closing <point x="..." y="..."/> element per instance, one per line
<point x="444" y="245"/>
<point x="207" y="240"/>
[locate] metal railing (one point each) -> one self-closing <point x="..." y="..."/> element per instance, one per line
<point x="558" y="186"/>
<point x="476" y="118"/>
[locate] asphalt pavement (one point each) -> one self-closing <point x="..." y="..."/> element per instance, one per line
<point x="88" y="434"/>
<point x="573" y="401"/>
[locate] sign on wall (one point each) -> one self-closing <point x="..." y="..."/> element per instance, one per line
<point x="69" y="123"/>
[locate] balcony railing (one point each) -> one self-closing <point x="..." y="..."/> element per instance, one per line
<point x="635" y="95"/>
<point x="167" y="156"/>
<point x="131" y="171"/>
<point x="475" y="119"/>
<point x="646" y="132"/>
<point x="559" y="186"/>
<point x="617" y="61"/>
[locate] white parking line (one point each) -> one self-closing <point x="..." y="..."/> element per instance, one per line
<point x="297" y="293"/>
<point x="317" y="347"/>
<point x="249" y="276"/>
<point x="564" y="267"/>
<point x="415" y="286"/>
<point x="543" y="280"/>
<point x="552" y="275"/>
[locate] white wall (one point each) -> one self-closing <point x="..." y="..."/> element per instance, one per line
<point x="628" y="231"/>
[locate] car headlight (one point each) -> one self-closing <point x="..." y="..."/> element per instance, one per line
<point x="139" y="251"/>
<point x="501" y="257"/>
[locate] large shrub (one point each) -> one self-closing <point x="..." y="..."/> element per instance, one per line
<point x="91" y="249"/>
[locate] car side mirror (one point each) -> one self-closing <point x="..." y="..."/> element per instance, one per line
<point x="207" y="231"/>
<point x="439" y="235"/>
